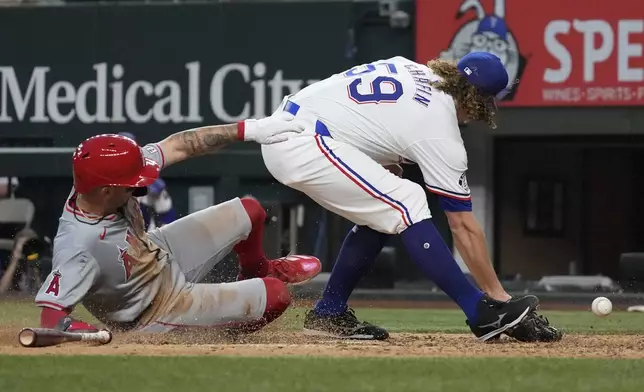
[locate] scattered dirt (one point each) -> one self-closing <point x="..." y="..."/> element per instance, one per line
<point x="272" y="341"/>
<point x="276" y="343"/>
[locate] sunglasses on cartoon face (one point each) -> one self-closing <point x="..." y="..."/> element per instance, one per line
<point x="495" y="44"/>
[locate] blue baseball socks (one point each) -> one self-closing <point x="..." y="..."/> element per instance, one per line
<point x="428" y="250"/>
<point x="425" y="247"/>
<point x="358" y="253"/>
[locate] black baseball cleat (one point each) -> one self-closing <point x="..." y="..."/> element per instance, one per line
<point x="342" y="326"/>
<point x="496" y="317"/>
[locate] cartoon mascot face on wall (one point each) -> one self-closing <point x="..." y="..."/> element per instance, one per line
<point x="486" y="33"/>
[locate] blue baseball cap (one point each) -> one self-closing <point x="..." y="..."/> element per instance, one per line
<point x="486" y="72"/>
<point x="157" y="186"/>
<point x="128" y="134"/>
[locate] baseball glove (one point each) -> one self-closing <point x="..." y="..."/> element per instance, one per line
<point x="535" y="328"/>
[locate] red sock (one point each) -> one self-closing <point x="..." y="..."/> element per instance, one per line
<point x="278" y="298"/>
<point x="250" y="252"/>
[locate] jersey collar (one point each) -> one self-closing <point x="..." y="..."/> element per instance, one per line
<point x="84" y="216"/>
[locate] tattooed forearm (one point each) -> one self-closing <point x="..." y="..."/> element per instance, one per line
<point x="198" y="141"/>
<point x="204" y="140"/>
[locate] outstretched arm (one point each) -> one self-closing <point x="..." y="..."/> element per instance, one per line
<point x="204" y="140"/>
<point x="198" y="141"/>
<point x="73" y="274"/>
<point x="444" y="164"/>
<point x="469" y="239"/>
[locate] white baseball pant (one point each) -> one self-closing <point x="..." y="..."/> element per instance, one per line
<point x="343" y="179"/>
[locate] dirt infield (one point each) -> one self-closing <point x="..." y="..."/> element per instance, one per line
<point x="272" y="341"/>
<point x="277" y="343"/>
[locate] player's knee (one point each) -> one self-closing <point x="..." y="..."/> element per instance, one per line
<point x="416" y="208"/>
<point x="278" y="298"/>
<point x="254" y="209"/>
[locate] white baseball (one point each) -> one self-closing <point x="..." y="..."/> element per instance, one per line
<point x="602" y="306"/>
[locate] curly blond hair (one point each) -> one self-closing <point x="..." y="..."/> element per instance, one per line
<point x="467" y="97"/>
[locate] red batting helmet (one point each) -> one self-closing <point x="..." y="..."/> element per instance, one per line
<point x="111" y="160"/>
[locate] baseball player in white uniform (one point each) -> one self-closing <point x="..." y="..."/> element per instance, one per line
<point x="131" y="280"/>
<point x="362" y="123"/>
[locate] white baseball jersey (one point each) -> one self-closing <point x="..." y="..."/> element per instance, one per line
<point x="388" y="110"/>
<point x="360" y="120"/>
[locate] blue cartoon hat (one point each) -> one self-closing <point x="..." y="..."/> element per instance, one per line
<point x="493" y="24"/>
<point x="486" y="72"/>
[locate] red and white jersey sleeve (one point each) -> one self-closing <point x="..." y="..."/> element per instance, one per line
<point x="443" y="163"/>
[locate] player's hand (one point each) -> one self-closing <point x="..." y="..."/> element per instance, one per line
<point x="272" y="129"/>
